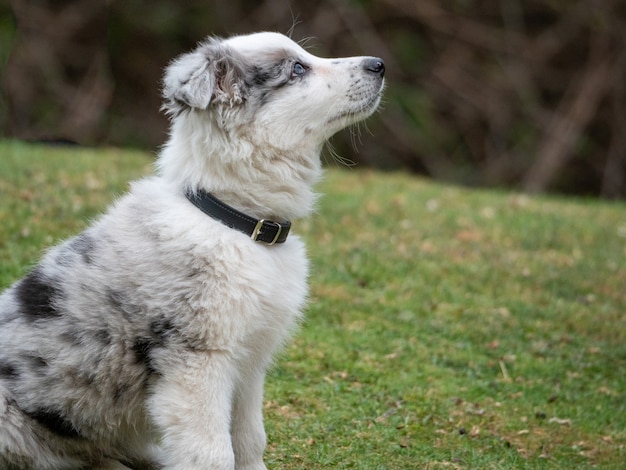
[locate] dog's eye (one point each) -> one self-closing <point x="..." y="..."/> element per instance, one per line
<point x="298" y="70"/>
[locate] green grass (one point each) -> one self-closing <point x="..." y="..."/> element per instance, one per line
<point x="448" y="328"/>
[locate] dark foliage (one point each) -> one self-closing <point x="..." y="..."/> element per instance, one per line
<point x="524" y="94"/>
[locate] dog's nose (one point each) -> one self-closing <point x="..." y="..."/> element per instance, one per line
<point x="374" y="65"/>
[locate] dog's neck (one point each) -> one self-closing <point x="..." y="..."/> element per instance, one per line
<point x="263" y="182"/>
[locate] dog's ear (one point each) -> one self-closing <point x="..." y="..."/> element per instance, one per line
<point x="210" y="74"/>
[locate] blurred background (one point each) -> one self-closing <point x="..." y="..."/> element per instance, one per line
<point x="529" y="95"/>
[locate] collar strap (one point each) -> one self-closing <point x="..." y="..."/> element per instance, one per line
<point x="259" y="230"/>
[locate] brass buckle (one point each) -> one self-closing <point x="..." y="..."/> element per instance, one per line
<point x="257" y="231"/>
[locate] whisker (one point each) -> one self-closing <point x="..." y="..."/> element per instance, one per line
<point x="304" y="42"/>
<point x="294" y="22"/>
<point x="338" y="159"/>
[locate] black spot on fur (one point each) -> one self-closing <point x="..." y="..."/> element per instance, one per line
<point x="8" y="371"/>
<point x="141" y="464"/>
<point x="37" y="296"/>
<point x="264" y="97"/>
<point x="271" y="77"/>
<point x="162" y="329"/>
<point x="260" y="76"/>
<point x="142" y="348"/>
<point x="160" y="333"/>
<point x="54" y="422"/>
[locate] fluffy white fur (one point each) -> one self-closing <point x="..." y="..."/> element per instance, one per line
<point x="143" y="342"/>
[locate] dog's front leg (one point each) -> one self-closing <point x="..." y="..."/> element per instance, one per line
<point x="191" y="406"/>
<point x="247" y="426"/>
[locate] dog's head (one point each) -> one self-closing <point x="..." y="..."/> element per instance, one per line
<point x="265" y="79"/>
<point x="250" y="115"/>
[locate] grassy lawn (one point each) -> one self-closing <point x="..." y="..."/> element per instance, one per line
<point x="448" y="328"/>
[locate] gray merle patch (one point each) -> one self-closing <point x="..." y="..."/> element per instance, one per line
<point x="84" y="245"/>
<point x="8" y="371"/>
<point x="54" y="422"/>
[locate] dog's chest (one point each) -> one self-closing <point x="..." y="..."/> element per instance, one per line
<point x="273" y="287"/>
<point x="244" y="294"/>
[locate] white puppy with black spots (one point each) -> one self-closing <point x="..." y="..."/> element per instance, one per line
<point x="144" y="341"/>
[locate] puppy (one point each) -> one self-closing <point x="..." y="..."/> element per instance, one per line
<point x="143" y="342"/>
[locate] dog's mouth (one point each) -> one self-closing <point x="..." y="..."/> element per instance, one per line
<point x="360" y="110"/>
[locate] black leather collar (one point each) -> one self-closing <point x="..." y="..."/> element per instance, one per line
<point x="259" y="230"/>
